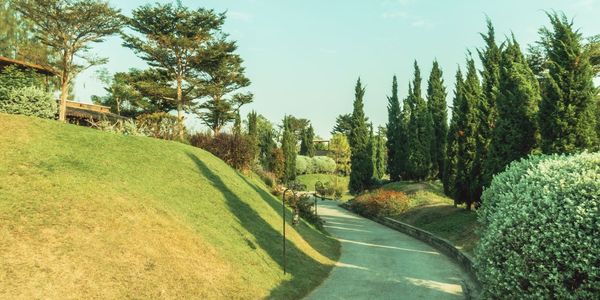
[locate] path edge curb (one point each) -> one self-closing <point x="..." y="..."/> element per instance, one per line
<point x="462" y="259"/>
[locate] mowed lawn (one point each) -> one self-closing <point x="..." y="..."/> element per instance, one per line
<point x="89" y="214"/>
<point x="433" y="211"/>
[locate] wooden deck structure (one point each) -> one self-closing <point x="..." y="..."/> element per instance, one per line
<point x="77" y="112"/>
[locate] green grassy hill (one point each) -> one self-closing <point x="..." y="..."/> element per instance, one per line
<point x="89" y="214"/>
<point x="433" y="211"/>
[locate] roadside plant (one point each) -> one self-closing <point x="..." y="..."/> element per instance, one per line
<point x="539" y="229"/>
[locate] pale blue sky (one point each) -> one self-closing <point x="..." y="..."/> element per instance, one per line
<point x="304" y="57"/>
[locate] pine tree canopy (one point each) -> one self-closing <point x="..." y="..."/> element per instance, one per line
<point x="567" y="117"/>
<point x="514" y="135"/>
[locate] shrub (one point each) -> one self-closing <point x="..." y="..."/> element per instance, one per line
<point x="306" y="210"/>
<point x="12" y="78"/>
<point x="124" y="127"/>
<point x="29" y="101"/>
<point x="539" y="229"/>
<point x="324" y="164"/>
<point x="381" y="203"/>
<point x="159" y="125"/>
<point x="234" y="149"/>
<point x="301" y="164"/>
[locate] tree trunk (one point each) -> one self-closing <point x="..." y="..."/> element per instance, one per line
<point x="180" y="107"/>
<point x="64" y="93"/>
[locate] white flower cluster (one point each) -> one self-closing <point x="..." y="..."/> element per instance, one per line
<point x="540" y="230"/>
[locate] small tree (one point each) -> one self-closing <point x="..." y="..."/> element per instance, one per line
<point x="340" y="152"/>
<point x="68" y="27"/>
<point x="177" y="41"/>
<point x="380" y="153"/>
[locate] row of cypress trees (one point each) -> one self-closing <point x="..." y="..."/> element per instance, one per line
<point x="511" y="112"/>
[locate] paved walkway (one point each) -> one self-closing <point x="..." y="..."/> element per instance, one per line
<point x="381" y="263"/>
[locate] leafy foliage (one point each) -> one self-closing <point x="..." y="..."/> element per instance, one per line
<point x="29" y="101"/>
<point x="381" y="203"/>
<point x="539" y="231"/>
<point x="340" y="152"/>
<point x="234" y="149"/>
<point x="159" y="125"/>
<point x="307" y="145"/>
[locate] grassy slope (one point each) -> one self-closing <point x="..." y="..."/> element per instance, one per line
<point x="90" y="214"/>
<point x="431" y="210"/>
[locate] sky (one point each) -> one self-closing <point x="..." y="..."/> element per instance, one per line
<point x="304" y="56"/>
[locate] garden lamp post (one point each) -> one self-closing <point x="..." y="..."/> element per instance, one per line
<point x="283" y="217"/>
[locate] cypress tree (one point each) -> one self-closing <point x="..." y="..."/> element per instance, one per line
<point x="307" y="145"/>
<point x="567" y="118"/>
<point x="466" y="125"/>
<point x="253" y="132"/>
<point x="420" y="132"/>
<point x="361" y="169"/>
<point x="451" y="159"/>
<point x="381" y="154"/>
<point x="514" y="135"/>
<point x="403" y="148"/>
<point x="288" y="145"/>
<point x="394" y="127"/>
<point x="373" y="153"/>
<point x="486" y="107"/>
<point x="436" y="103"/>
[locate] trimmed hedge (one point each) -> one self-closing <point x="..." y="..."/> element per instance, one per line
<point x="540" y="230"/>
<point x="314" y="165"/>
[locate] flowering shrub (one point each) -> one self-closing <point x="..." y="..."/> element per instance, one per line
<point x="381" y="203"/>
<point x="540" y="224"/>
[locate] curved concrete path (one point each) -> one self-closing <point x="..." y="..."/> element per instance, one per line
<point x="380" y="263"/>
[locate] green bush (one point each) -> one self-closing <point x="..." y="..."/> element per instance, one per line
<point x="324" y="164"/>
<point x="381" y="203"/>
<point x="12" y="78"/>
<point x="540" y="225"/>
<point x="159" y="125"/>
<point x="29" y="101"/>
<point x="301" y="164"/>
<point x="124" y="127"/>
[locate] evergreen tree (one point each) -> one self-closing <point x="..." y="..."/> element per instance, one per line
<point x="466" y="125"/>
<point x="288" y="145"/>
<point x="486" y="107"/>
<point x="253" y="132"/>
<point x="420" y="132"/>
<point x="372" y="149"/>
<point x="361" y="169"/>
<point x="436" y="103"/>
<point x="567" y="117"/>
<point x="514" y="135"/>
<point x="394" y="127"/>
<point x="403" y="148"/>
<point x="343" y="124"/>
<point x="381" y="154"/>
<point x="307" y="145"/>
<point x="237" y="124"/>
<point x="451" y="159"/>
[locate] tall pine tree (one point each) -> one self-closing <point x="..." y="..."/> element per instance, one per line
<point x="514" y="135"/>
<point x="451" y="159"/>
<point x="361" y="169"/>
<point x="288" y="145"/>
<point x="567" y="111"/>
<point x="394" y="127"/>
<point x="466" y="124"/>
<point x="420" y="132"/>
<point x="436" y="103"/>
<point x="307" y="145"/>
<point x="486" y="107"/>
